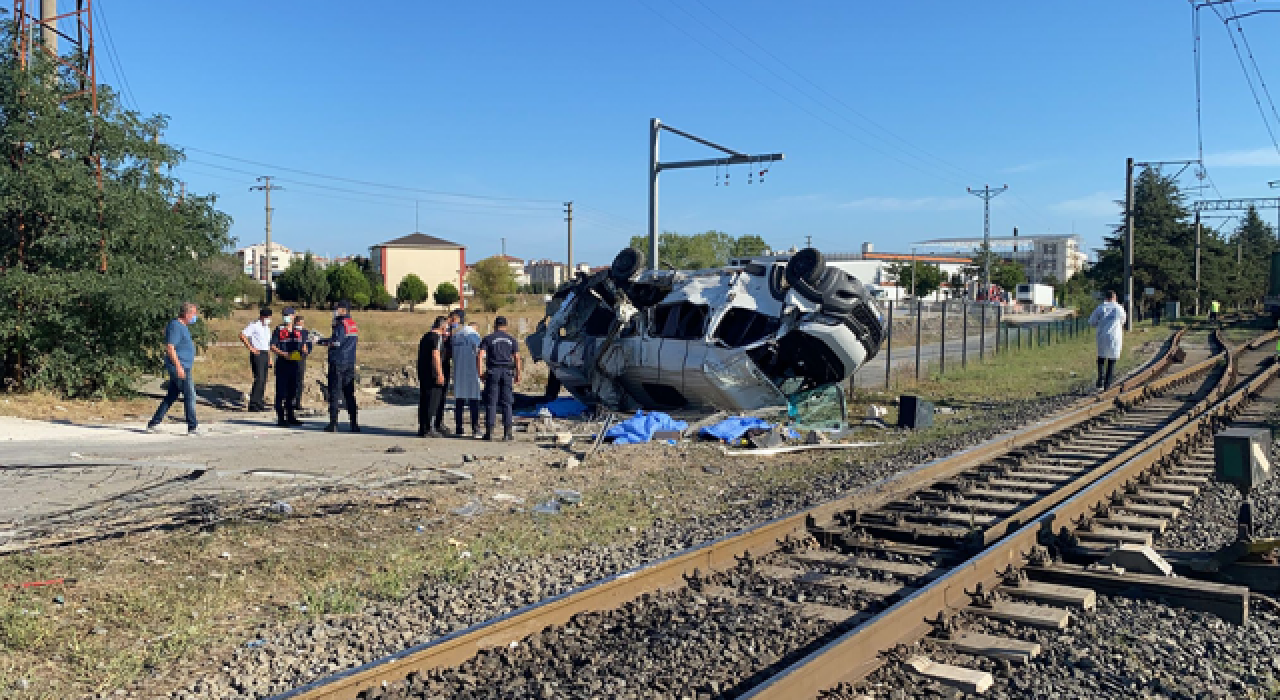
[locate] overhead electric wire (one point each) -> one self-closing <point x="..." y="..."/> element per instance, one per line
<point x="354" y="181"/>
<point x="1258" y="71"/>
<point x="114" y="55"/>
<point x="962" y="171"/>
<point x="1248" y="79"/>
<point x="795" y="104"/>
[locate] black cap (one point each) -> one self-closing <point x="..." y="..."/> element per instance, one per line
<point x="288" y="311"/>
<point x="500" y="321"/>
<point x="344" y="305"/>
<point x="264" y="313"/>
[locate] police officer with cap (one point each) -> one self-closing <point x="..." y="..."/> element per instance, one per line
<point x="342" y="365"/>
<point x="498" y="362"/>
<point x="289" y="346"/>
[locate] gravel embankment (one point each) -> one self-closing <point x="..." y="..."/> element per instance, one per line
<point x="1209" y="521"/>
<point x="290" y="654"/>
<point x="1125" y="649"/>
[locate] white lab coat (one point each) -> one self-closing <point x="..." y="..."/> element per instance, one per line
<point x="1109" y="319"/>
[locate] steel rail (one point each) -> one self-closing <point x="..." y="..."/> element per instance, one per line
<point x="859" y="652"/>
<point x="671" y="572"/>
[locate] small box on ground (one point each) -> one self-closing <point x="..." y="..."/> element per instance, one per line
<point x="1242" y="457"/>
<point x="915" y="413"/>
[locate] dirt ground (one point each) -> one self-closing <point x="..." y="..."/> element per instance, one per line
<point x="179" y="548"/>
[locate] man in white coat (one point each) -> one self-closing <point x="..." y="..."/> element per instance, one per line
<point x="1109" y="319"/>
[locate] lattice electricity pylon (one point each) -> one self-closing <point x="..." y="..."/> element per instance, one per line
<point x="79" y="58"/>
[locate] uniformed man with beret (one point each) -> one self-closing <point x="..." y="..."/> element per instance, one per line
<point x="498" y="362"/>
<point x="342" y="365"/>
<point x="288" y="346"/>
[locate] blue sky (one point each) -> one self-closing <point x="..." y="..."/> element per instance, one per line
<point x="886" y="113"/>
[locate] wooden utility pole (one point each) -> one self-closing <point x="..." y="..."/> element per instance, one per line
<point x="266" y="188"/>
<point x="1128" y="241"/>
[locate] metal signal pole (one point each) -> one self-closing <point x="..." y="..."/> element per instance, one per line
<point x="656" y="127"/>
<point x="986" y="194"/>
<point x="266" y="188"/>
<point x="1128" y="241"/>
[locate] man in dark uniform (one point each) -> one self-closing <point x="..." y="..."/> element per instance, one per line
<point x="432" y="379"/>
<point x="342" y="365"/>
<point x="499" y="364"/>
<point x="288" y="347"/>
<point x="308" y="344"/>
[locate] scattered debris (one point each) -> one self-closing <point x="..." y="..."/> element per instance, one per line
<point x="875" y="411"/>
<point x="280" y="508"/>
<point x="551" y="507"/>
<point x="816" y="438"/>
<point x="468" y="458"/>
<point x="395" y="450"/>
<point x="569" y="496"/>
<point x="642" y="426"/>
<point x="563" y="439"/>
<point x="507" y="498"/>
<point x="712" y="470"/>
<point x="225" y="555"/>
<point x="944" y="410"/>
<point x="502" y="477"/>
<point x="470" y="510"/>
<point x="770" y="451"/>
<point x="256" y="643"/>
<point x="570" y="462"/>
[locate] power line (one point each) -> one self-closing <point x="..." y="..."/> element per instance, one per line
<point x="114" y="55"/>
<point x="795" y="104"/>
<point x="367" y="183"/>
<point x="1261" y="81"/>
<point x="829" y="95"/>
<point x="1248" y="79"/>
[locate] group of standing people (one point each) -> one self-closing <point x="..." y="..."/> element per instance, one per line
<point x="453" y="353"/>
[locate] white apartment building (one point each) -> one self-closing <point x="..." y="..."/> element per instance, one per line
<point x="254" y="259"/>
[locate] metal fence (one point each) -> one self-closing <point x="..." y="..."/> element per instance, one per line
<point x="954" y="333"/>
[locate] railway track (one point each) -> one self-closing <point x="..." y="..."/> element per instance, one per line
<point x="880" y="568"/>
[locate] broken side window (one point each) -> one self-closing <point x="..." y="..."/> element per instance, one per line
<point x="739" y="327"/>
<point x="683" y="321"/>
<point x="822" y="409"/>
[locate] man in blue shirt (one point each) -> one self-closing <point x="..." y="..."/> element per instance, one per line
<point x="179" y="356"/>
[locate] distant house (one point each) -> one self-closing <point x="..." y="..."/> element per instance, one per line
<point x="435" y="260"/>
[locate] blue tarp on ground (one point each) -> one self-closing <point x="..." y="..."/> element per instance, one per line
<point x="642" y="426"/>
<point x="731" y="429"/>
<point x="563" y="407"/>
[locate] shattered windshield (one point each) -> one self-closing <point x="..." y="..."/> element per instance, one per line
<point x="822" y="408"/>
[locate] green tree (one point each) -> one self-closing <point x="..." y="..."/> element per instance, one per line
<point x="748" y="245"/>
<point x="1008" y="275"/>
<point x="493" y="283"/>
<point x="89" y="277"/>
<point x="1163" y="244"/>
<point x="381" y="299"/>
<point x="411" y="290"/>
<point x="348" y="282"/>
<point x="701" y="250"/>
<point x="446" y="295"/>
<point x="303" y="282"/>
<point x="928" y="278"/>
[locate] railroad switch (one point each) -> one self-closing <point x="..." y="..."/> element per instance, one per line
<point x="1242" y="458"/>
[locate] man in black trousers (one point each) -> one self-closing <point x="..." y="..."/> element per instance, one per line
<point x="432" y="380"/>
<point x="257" y="338"/>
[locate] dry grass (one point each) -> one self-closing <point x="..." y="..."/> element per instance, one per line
<point x="157" y="606"/>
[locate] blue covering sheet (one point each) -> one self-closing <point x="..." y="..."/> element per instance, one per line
<point x="563" y="407"/>
<point x="731" y="429"/>
<point x="641" y="427"/>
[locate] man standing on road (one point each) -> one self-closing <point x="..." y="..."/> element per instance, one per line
<point x="499" y="362"/>
<point x="288" y="347"/>
<point x="1109" y="318"/>
<point x="464" y="343"/>
<point x="342" y="365"/>
<point x="432" y="380"/>
<point x="257" y="338"/>
<point x="308" y="344"/>
<point x="179" y="356"/>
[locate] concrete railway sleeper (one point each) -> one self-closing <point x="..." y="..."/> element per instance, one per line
<point x="845" y="570"/>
